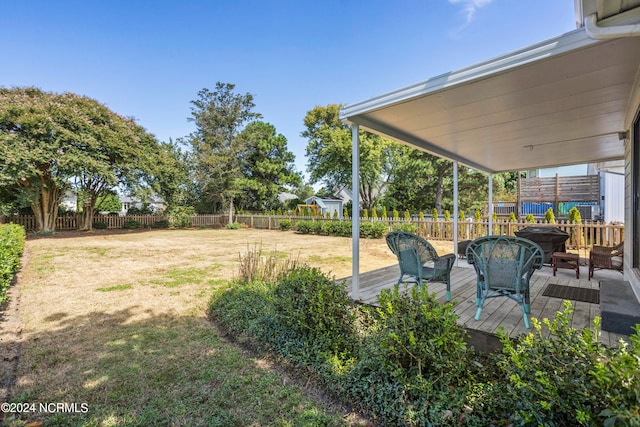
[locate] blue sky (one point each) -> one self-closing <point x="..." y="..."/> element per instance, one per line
<point x="148" y="59"/>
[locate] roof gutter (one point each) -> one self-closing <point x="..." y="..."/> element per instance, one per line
<point x="597" y="32"/>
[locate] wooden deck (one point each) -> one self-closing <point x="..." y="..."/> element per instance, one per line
<point x="498" y="311"/>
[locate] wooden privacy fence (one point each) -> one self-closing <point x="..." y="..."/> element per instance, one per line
<point x="583" y="235"/>
<point x="113" y="221"/>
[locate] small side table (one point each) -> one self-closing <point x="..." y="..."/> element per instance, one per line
<point x="566" y="260"/>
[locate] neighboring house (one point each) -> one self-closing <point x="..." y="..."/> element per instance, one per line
<point x="284" y="197"/>
<point x="155" y="204"/>
<point x="69" y="201"/>
<point x="573" y="99"/>
<point x="344" y="194"/>
<point x="329" y="205"/>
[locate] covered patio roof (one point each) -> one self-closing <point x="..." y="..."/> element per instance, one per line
<point x="559" y="102"/>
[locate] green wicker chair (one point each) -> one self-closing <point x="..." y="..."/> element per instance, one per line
<point x="504" y="266"/>
<point x="413" y="253"/>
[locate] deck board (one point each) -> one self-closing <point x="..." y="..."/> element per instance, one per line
<point x="497" y="312"/>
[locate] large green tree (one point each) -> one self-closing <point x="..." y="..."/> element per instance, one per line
<point x="329" y="155"/>
<point x="52" y="143"/>
<point x="219" y="116"/>
<point x="420" y="181"/>
<point x="266" y="166"/>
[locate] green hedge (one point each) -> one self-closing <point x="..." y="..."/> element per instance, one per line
<point x="12" y="238"/>
<point x="406" y="363"/>
<point x="368" y="230"/>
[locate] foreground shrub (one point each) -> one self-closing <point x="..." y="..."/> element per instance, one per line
<point x="413" y="366"/>
<point x="233" y="226"/>
<point x="12" y="238"/>
<point x="569" y="377"/>
<point x="243" y="309"/>
<point x="317" y="308"/>
<point x="407" y="363"/>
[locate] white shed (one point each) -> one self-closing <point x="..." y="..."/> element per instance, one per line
<point x="327" y="205"/>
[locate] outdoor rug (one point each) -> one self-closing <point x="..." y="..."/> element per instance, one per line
<point x="572" y="293"/>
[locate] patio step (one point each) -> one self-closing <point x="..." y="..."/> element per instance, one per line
<point x="620" y="309"/>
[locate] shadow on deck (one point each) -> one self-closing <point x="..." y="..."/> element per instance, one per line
<point x="498" y="312"/>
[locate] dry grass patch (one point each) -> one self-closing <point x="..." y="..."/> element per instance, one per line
<point x="118" y="321"/>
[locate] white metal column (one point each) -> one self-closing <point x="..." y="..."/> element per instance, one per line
<point x="456" y="214"/>
<point x="355" y="213"/>
<point x="490" y="208"/>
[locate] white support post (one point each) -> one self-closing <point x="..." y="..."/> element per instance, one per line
<point x="490" y="208"/>
<point x="355" y="215"/>
<point x="456" y="214"/>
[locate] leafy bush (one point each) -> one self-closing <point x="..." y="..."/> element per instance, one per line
<point x="317" y="308"/>
<point x="574" y="216"/>
<point x="373" y="230"/>
<point x="304" y="227"/>
<point x="162" y="223"/>
<point x="405" y="226"/>
<point x="243" y="308"/>
<point x="549" y="217"/>
<point x="337" y="228"/>
<point x="284" y="224"/>
<point x="100" y="225"/>
<point x="569" y="377"/>
<point x="413" y="365"/>
<point x="419" y="335"/>
<point x="407" y="363"/>
<point x="12" y="239"/>
<point x="512" y="217"/>
<point x="145" y="209"/>
<point x="316" y="227"/>
<point x="131" y="224"/>
<point x="530" y="219"/>
<point x="180" y="216"/>
<point x="233" y="226"/>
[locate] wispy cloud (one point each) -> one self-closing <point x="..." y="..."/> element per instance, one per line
<point x="469" y="9"/>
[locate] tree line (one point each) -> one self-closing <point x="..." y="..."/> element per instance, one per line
<point x="54" y="144"/>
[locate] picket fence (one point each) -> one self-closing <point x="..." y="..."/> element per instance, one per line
<point x="583" y="236"/>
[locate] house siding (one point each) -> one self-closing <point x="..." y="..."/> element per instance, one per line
<point x="630" y="273"/>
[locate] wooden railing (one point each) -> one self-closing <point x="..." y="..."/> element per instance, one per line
<point x="583" y="235"/>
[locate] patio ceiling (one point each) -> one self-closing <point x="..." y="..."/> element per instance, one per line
<point x="559" y="102"/>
